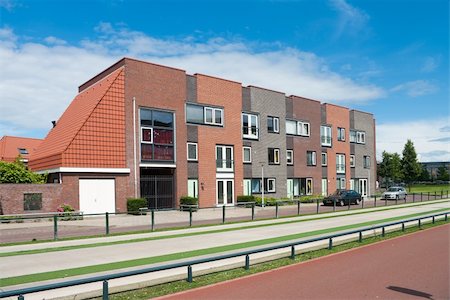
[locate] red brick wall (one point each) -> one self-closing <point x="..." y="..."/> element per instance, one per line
<point x="11" y="197"/>
<point x="228" y="94"/>
<point x="308" y="110"/>
<point x="160" y="87"/>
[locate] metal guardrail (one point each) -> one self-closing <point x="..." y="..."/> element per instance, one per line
<point x="190" y="263"/>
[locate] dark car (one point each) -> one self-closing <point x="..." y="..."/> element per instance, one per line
<point x="343" y="197"/>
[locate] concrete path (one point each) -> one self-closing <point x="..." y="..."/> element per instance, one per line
<point x="45" y="262"/>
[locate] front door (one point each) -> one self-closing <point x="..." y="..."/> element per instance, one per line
<point x="290" y="188"/>
<point x="225" y="191"/>
<point x="158" y="190"/>
<point x="363" y="187"/>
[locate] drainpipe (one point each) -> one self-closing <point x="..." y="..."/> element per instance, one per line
<point x="134" y="148"/>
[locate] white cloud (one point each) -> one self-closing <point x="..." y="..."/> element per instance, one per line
<point x="9" y="5"/>
<point x="416" y="88"/>
<point x="351" y="19"/>
<point x="430" y="64"/>
<point x="40" y="78"/>
<point x="430" y="142"/>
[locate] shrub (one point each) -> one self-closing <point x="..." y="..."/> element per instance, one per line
<point x="187" y="200"/>
<point x="310" y="198"/>
<point x="268" y="201"/>
<point x="133" y="205"/>
<point x="247" y="198"/>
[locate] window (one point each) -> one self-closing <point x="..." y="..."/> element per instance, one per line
<point x="341" y="134"/>
<point x="297" y="128"/>
<point x="361" y="137"/>
<point x="225" y="191"/>
<point x="352" y="136"/>
<point x="352" y="184"/>
<point x="309" y="186"/>
<point x="340" y="183"/>
<point x="247" y="155"/>
<point x="366" y="162"/>
<point x="198" y="114"/>
<point x="290" y="157"/>
<point x="157" y="135"/>
<point x="192" y="151"/>
<point x="273" y="124"/>
<point x="310" y="158"/>
<point x="324" y="159"/>
<point x="269" y="185"/>
<point x="352" y="160"/>
<point x="340" y="163"/>
<point x="247" y="187"/>
<point x="325" y="135"/>
<point x="224" y="158"/>
<point x="249" y="126"/>
<point x="193" y="188"/>
<point x="32" y="201"/>
<point x="324" y="187"/>
<point x="22" y="151"/>
<point x="274" y="156"/>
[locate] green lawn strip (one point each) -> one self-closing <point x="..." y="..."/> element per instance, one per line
<point x="425" y="188"/>
<point x="65" y="248"/>
<point x="208" y="279"/>
<point x="183" y="255"/>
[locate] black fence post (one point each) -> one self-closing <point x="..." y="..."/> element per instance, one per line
<point x="421" y="197"/>
<point x="298" y="207"/>
<point x="349" y="202"/>
<point x="360" y="237"/>
<point x="190" y="216"/>
<point x="55" y="227"/>
<point x="334" y="205"/>
<point x="276" y="210"/>
<point x="433" y="220"/>
<point x="153" y="219"/>
<point x="385" y="201"/>
<point x="105" y="290"/>
<point x="382" y="231"/>
<point x="317" y="210"/>
<point x="223" y="214"/>
<point x="428" y="196"/>
<point x="435" y="196"/>
<point x="375" y="200"/>
<point x="21" y="297"/>
<point x="247" y="262"/>
<point x="107" y="223"/>
<point x="253" y="211"/>
<point x="396" y="200"/>
<point x="403" y="226"/>
<point x="446" y="217"/>
<point x="189" y="274"/>
<point x="420" y="223"/>
<point x="414" y="200"/>
<point x="442" y="193"/>
<point x="330" y="244"/>
<point x="292" y="252"/>
<point x="406" y="196"/>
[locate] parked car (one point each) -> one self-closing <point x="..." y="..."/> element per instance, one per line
<point x="343" y="197"/>
<point x="394" y="193"/>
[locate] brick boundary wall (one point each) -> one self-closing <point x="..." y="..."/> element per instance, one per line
<point x="12" y="197"/>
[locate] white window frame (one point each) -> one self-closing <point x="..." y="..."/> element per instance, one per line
<point x="193" y="182"/>
<point x="290" y="157"/>
<point x="196" y="151"/>
<point x="326" y="131"/>
<point x="342" y="183"/>
<point x="340" y="161"/>
<point x="352" y="160"/>
<point x="276" y="158"/>
<point x="361" y="137"/>
<point x="366" y="162"/>
<point x="324" y="155"/>
<point x="341" y="134"/>
<point x="313" y="158"/>
<point x="249" y="135"/>
<point x="273" y="189"/>
<point x="276" y="124"/>
<point x="302" y="128"/>
<point x="311" y="190"/>
<point x="151" y="135"/>
<point x="243" y="154"/>
<point x="213" y="115"/>
<point x="247" y="183"/>
<point x="225" y="189"/>
<point x="224" y="158"/>
<point x="353" y="134"/>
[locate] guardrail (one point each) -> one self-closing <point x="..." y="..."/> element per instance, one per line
<point x="104" y="278"/>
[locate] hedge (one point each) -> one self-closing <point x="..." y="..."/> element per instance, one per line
<point x="133" y="205"/>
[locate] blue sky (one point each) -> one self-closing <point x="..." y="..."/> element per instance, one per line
<point x="390" y="58"/>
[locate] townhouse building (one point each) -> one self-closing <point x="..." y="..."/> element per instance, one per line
<point x="139" y="129"/>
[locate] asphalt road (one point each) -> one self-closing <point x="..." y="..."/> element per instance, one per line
<point x="410" y="267"/>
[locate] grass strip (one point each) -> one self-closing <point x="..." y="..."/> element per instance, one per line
<point x="204" y="280"/>
<point x="101" y="244"/>
<point x="184" y="255"/>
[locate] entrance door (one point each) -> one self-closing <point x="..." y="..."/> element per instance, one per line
<point x="363" y="187"/>
<point x="290" y="188"/>
<point x="97" y="195"/>
<point x="225" y="191"/>
<point x="158" y="190"/>
<point x="324" y="187"/>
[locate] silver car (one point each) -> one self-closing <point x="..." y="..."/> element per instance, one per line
<point x="394" y="193"/>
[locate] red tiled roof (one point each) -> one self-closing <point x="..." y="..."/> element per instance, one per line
<point x="94" y="119"/>
<point x="10" y="145"/>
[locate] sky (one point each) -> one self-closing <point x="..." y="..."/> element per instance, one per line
<point x="387" y="57"/>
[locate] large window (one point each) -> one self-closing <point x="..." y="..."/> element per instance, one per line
<point x="325" y="135"/>
<point x="366" y="161"/>
<point x="157" y="135"/>
<point x="324" y="159"/>
<point x="269" y="185"/>
<point x="352" y="136"/>
<point x="311" y="158"/>
<point x="340" y="163"/>
<point x="199" y="114"/>
<point x="224" y="158"/>
<point x="192" y="151"/>
<point x="250" y="126"/>
<point x="273" y="124"/>
<point x="357" y="137"/>
<point x="274" y="156"/>
<point x="247" y="155"/>
<point x="297" y="128"/>
<point x="290" y="157"/>
<point x="299" y="186"/>
<point x="341" y="134"/>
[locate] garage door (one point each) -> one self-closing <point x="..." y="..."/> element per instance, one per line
<point x="97" y="196"/>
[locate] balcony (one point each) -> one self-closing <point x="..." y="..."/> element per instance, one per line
<point x="224" y="165"/>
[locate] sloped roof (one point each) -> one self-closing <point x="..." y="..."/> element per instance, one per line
<point x="72" y="120"/>
<point x="10" y="145"/>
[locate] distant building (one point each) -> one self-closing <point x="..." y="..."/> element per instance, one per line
<point x="13" y="146"/>
<point x="432" y="167"/>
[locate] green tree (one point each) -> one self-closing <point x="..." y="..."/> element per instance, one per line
<point x="442" y="174"/>
<point x="390" y="168"/>
<point x="16" y="172"/>
<point x="410" y="166"/>
<point x="424" y="175"/>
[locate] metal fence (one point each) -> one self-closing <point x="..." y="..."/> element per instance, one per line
<point x="246" y="254"/>
<point x="281" y="208"/>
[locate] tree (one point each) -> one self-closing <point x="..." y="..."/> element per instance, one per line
<point x="424" y="175"/>
<point x="410" y="166"/>
<point x="390" y="168"/>
<point x="16" y="172"/>
<point x="442" y="174"/>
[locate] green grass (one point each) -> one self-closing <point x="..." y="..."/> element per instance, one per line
<point x="65" y="248"/>
<point x="425" y="188"/>
<point x="186" y="254"/>
<point x="204" y="280"/>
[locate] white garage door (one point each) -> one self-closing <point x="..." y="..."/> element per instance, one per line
<point x="97" y="196"/>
